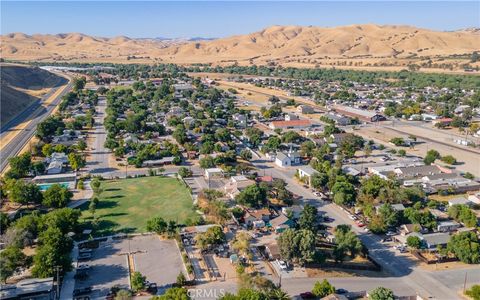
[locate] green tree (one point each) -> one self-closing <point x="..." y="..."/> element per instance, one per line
<point x="138" y="281"/>
<point x="184" y="172"/>
<point x="308" y="218"/>
<point x="56" y="196"/>
<point x="245" y="154"/>
<point x="297" y="245"/>
<point x="323" y="288"/>
<point x="76" y="161"/>
<point x="22" y="192"/>
<point x="19" y="165"/>
<point x="11" y="259"/>
<point x="381" y="293"/>
<point x="431" y="156"/>
<point x="79" y="83"/>
<point x="54" y="250"/>
<point x="252" y="196"/>
<point x="346" y="241"/>
<point x="175" y="293"/>
<point x="181" y="280"/>
<point x="414" y="242"/>
<point x="465" y="246"/>
<point x="474" y="292"/>
<point x="157" y="225"/>
<point x="449" y="159"/>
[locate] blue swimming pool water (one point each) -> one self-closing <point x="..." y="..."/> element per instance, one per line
<point x="44" y="186"/>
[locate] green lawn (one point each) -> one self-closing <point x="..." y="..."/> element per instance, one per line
<point x="126" y="204"/>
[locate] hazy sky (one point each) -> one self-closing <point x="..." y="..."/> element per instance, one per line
<point x="219" y="19"/>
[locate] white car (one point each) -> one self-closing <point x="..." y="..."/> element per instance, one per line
<point x="391" y="233"/>
<point x="282" y="264"/>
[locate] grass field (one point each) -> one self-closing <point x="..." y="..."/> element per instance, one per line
<point x="126" y="204"/>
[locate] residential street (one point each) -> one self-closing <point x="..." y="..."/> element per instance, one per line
<point x="401" y="267"/>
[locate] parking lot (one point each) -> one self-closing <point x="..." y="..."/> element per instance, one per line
<point x="158" y="260"/>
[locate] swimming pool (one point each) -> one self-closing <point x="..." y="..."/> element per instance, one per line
<point x="44" y="186"/>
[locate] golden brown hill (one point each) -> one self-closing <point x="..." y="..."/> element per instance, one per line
<point x="355" y="45"/>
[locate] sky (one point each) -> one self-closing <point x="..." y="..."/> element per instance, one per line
<point x="176" y="19"/>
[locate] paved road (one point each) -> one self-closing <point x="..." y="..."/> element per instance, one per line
<point x="401" y="267"/>
<point x="37" y="113"/>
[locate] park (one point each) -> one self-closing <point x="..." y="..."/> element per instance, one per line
<point x="125" y="205"/>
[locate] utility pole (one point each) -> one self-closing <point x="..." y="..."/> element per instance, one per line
<point x="465" y="283"/>
<point x="57" y="268"/>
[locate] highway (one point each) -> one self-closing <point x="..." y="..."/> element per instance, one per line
<point x="34" y="114"/>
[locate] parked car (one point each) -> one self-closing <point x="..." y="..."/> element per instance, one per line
<point x="282" y="264"/>
<point x="387" y="239"/>
<point x="307" y="295"/>
<point x="82" y="291"/>
<point x="83" y="267"/>
<point x="391" y="233"/>
<point x="360" y="224"/>
<point x="341" y="291"/>
<point x="84" y="256"/>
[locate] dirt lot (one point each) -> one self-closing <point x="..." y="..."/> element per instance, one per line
<point x="468" y="161"/>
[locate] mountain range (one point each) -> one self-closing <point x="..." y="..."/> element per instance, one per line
<point x="354" y="45"/>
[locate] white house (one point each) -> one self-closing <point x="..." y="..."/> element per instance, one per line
<point x="213" y="172"/>
<point x="306" y="172"/>
<point x="282" y="160"/>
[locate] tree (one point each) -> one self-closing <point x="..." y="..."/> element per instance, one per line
<point x="65" y="219"/>
<point x="11" y="259"/>
<point x="297" y="245"/>
<point x="474" y="292"/>
<point x="319" y="180"/>
<point x="381" y="293"/>
<point x="346" y="241"/>
<point x="414" y="242"/>
<point x="213" y="236"/>
<point x="54" y="250"/>
<point x="465" y="246"/>
<point x="174" y="293"/>
<point x="138" y="282"/>
<point x="23" y="193"/>
<point x="19" y="165"/>
<point x="462" y="213"/>
<point x="56" y="196"/>
<point x="343" y="193"/>
<point x="157" y="225"/>
<point x="252" y="196"/>
<point x="184" y="172"/>
<point x="308" y="218"/>
<point x="76" y="161"/>
<point x="79" y="83"/>
<point x="245" y="154"/>
<point x="207" y="162"/>
<point x="123" y="295"/>
<point x="449" y="159"/>
<point x="323" y="289"/>
<point x="181" y="280"/>
<point x="431" y="156"/>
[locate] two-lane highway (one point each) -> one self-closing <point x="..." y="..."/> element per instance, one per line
<point x="36" y="113"/>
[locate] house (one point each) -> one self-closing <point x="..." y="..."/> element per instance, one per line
<point x="442" y="122"/>
<point x="294" y="124"/>
<point x="58" y="156"/>
<point x="433" y="240"/>
<point x="474" y="198"/>
<point x="459" y="201"/>
<point x="361" y="114"/>
<point x="236" y="185"/>
<point x="417" y="171"/>
<point x="282" y="160"/>
<point x="213" y="173"/>
<point x="291" y="117"/>
<point x="447" y="226"/>
<point x="273" y="251"/>
<point x="55" y="167"/>
<point x="339" y="119"/>
<point x="55" y="178"/>
<point x="252" y="216"/>
<point x="305" y="109"/>
<point x="240" y="120"/>
<point x="306" y="173"/>
<point x="280" y="223"/>
<point x="159" y="162"/>
<point x="295" y="210"/>
<point x="32" y="288"/>
<point x="406" y="229"/>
